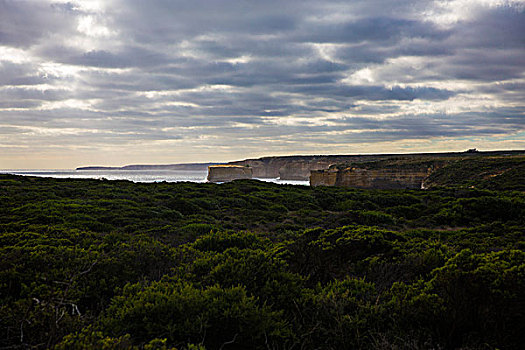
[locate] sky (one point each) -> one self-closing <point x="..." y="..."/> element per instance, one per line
<point x="115" y="82"/>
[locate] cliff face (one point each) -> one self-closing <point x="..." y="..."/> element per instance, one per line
<point x="300" y="170"/>
<point x="365" y="178"/>
<point x="226" y="173"/>
<point x="264" y="167"/>
<point x="299" y="167"/>
<point x="295" y="167"/>
<point x="323" y="177"/>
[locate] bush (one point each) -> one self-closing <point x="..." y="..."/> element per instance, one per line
<point x="182" y="313"/>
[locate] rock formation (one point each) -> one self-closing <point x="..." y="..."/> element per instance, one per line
<point x="326" y="177"/>
<point x="300" y="170"/>
<point x="299" y="167"/>
<point x="226" y="173"/>
<point x="296" y="167"/>
<point x="387" y="178"/>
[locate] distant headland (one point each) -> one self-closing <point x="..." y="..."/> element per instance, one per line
<point x="182" y="166"/>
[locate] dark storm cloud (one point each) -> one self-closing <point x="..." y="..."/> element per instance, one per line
<point x="315" y="71"/>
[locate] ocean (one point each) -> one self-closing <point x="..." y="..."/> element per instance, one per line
<point x="134" y="175"/>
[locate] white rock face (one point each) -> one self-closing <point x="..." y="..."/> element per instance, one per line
<point x="226" y="173"/>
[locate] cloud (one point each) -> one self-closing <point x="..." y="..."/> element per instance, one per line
<point x="216" y="75"/>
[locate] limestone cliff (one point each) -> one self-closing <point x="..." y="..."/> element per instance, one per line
<point x="226" y="173"/>
<point x="300" y="170"/>
<point x="326" y="177"/>
<point x="370" y="178"/>
<point x="299" y="167"/>
<point x="296" y="167"/>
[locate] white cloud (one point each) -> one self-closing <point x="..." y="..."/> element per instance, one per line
<point x="258" y="78"/>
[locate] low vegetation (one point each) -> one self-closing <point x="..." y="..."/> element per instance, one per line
<point x="116" y="265"/>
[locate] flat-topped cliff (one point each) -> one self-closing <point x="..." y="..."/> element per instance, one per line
<point x="390" y="173"/>
<point x="484" y="170"/>
<point x="226" y="173"/>
<point x="370" y="178"/>
<point x="299" y="167"/>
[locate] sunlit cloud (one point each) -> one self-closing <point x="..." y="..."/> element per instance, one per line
<point x="117" y="82"/>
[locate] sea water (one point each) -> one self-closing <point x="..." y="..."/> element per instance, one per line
<point x="134" y="175"/>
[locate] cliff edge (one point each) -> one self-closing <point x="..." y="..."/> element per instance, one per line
<point x="471" y="169"/>
<point x="299" y="167"/>
<point x="370" y="178"/>
<point x="226" y="173"/>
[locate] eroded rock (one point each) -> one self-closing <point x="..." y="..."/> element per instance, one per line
<point x="370" y="178"/>
<point x="226" y="173"/>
